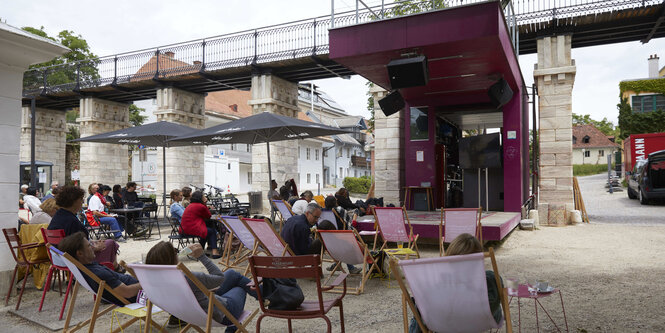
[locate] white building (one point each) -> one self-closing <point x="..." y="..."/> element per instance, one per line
<point x="591" y="146"/>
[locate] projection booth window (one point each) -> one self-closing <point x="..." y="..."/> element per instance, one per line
<point x="419" y="124"/>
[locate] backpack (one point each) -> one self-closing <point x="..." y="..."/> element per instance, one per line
<point x="282" y="294"/>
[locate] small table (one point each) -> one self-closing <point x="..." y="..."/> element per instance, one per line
<point x="428" y="191"/>
<point x="523" y="292"/>
<point x="127" y="213"/>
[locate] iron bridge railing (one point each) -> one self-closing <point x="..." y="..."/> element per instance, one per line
<point x="278" y="42"/>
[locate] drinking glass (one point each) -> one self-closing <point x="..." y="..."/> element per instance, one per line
<point x="512" y="283"/>
<point x="400" y="245"/>
<point x="533" y="289"/>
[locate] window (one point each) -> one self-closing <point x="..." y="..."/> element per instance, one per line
<point x="249" y="148"/>
<point x="574" y="140"/>
<point x="316" y="155"/>
<point x="355" y="173"/>
<point x="317" y="178"/>
<point x="365" y="173"/>
<point x="348" y="152"/>
<point x="308" y="150"/>
<point x="585" y="139"/>
<point x="309" y="178"/>
<point x="341" y="173"/>
<point x="249" y="177"/>
<point x="587" y="153"/>
<point x="601" y="153"/>
<point x="228" y="166"/>
<point x="648" y="103"/>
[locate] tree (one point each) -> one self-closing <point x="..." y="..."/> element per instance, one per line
<point x="80" y="63"/>
<point x="605" y="126"/>
<point x="135" y="117"/>
<point x="639" y="122"/>
<point x="370" y="106"/>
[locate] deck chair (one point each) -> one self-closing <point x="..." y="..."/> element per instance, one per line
<point x="284" y="210"/>
<point x="450" y="293"/>
<point x="238" y="230"/>
<point x="267" y="239"/>
<point x="392" y="223"/>
<point x="346" y="246"/>
<point x="299" y="267"/>
<point x="459" y="221"/>
<point x="18" y="250"/>
<point x="166" y="287"/>
<point x="54" y="237"/>
<point x="78" y="270"/>
<point x="328" y="215"/>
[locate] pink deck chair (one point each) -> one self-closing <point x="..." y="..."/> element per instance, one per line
<point x="392" y="224"/>
<point x="457" y="221"/>
<point x="267" y="238"/>
<point x="238" y="230"/>
<point x="327" y="215"/>
<point x="346" y="246"/>
<point x="284" y="210"/>
<point x="166" y="287"/>
<point x="450" y="293"/>
<point x="78" y="270"/>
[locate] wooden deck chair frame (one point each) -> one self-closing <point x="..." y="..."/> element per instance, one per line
<point x="212" y="304"/>
<point x="442" y="227"/>
<point x="282" y="218"/>
<point x="260" y="246"/>
<point x="96" y="313"/>
<point x="413" y="239"/>
<point x="366" y="272"/>
<point x="407" y="301"/>
<point x="230" y="258"/>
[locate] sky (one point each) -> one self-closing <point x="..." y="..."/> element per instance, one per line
<point x="122" y="26"/>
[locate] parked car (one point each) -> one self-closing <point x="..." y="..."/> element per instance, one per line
<point x="647" y="179"/>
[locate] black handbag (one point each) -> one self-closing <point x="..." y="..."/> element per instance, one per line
<point x="282" y="294"/>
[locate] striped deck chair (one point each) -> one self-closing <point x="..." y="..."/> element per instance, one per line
<point x="237" y="229"/>
<point x="166" y="287"/>
<point x="450" y="293"/>
<point x="392" y="224"/>
<point x="267" y="238"/>
<point x="284" y="210"/>
<point x="457" y="221"/>
<point x="346" y="246"/>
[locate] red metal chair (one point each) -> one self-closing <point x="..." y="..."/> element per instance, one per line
<point x="54" y="237"/>
<point x="299" y="267"/>
<point x="14" y="243"/>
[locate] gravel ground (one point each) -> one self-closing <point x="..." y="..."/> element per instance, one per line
<point x="608" y="271"/>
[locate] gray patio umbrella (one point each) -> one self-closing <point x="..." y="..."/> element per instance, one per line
<point x="259" y="128"/>
<point x="151" y="135"/>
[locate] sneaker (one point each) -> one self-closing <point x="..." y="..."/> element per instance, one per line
<point x="175" y="322"/>
<point x="355" y="270"/>
<point x="331" y="267"/>
<point x="140" y="232"/>
<point x="120" y="239"/>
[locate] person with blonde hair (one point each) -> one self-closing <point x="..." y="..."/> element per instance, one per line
<point x="49" y="207"/>
<point x="464" y="244"/>
<point x="176" y="208"/>
<point x="186" y="196"/>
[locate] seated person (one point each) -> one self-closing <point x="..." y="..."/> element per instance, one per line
<point x="231" y="286"/>
<point x="130" y="197"/>
<point x="194" y="223"/>
<point x="299" y="206"/>
<point x="468" y="244"/>
<point x="285" y="191"/>
<point x="273" y="194"/>
<point x="31" y="202"/>
<point x="70" y="200"/>
<point x="92" y="189"/>
<point x="48" y="207"/>
<point x="51" y="193"/>
<point x="117" y="197"/>
<point x="186" y="196"/>
<point x="297" y="231"/>
<point x="331" y="204"/>
<point x="176" y="208"/>
<point x="79" y="247"/>
<point x="24" y="191"/>
<point x="96" y="206"/>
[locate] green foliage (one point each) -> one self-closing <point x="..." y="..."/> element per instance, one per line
<point x="73" y="133"/>
<point x="71" y="64"/>
<point x="370" y="106"/>
<point x="71" y="115"/>
<point x="637" y="123"/>
<point x="640" y="86"/>
<point x="589" y="169"/>
<point x="135" y="117"/>
<point x="409" y="7"/>
<point x="357" y="185"/>
<point x="605" y="126"/>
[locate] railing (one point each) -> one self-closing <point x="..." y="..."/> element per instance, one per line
<point x="278" y="42"/>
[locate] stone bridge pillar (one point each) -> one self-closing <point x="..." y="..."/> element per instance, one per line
<point x="184" y="165"/>
<point x="555" y="75"/>
<point x="273" y="94"/>
<point x="103" y="162"/>
<point x="50" y="139"/>
<point x="388" y="151"/>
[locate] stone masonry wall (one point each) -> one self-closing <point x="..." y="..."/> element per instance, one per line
<point x="555" y="75"/>
<point x="388" y="151"/>
<point x="50" y="139"/>
<point x="102" y="162"/>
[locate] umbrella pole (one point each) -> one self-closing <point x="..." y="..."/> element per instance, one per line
<point x="164" y="178"/>
<point x="269" y="169"/>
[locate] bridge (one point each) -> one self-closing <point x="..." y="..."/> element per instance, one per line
<point x="298" y="51"/>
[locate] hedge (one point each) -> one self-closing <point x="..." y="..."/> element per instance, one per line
<point x="589" y="169"/>
<point x="357" y="185"/>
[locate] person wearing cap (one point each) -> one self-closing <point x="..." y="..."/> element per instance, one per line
<point x="24" y="191"/>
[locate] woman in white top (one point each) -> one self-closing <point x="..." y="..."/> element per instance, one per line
<point x="31" y="202"/>
<point x="97" y="204"/>
<point x="48" y="209"/>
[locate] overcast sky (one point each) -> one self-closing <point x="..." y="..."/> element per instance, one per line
<point x="122" y="25"/>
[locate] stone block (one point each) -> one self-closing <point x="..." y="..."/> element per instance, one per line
<point x="564" y="159"/>
<point x="564" y="134"/>
<point x="555" y="171"/>
<point x="556" y="147"/>
<point x="543" y="209"/>
<point x="547" y="159"/>
<point x="547" y="135"/>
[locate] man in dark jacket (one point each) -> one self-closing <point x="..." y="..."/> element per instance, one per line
<point x="297" y="234"/>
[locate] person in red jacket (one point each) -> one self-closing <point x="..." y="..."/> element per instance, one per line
<point x="193" y="223"/>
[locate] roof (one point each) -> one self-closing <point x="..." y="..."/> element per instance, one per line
<point x="321" y="99"/>
<point x="229" y="102"/>
<point x="596" y="137"/>
<point x="351" y="121"/>
<point x="343" y="138"/>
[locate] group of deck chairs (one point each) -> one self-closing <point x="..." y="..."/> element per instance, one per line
<point x="450" y="292"/>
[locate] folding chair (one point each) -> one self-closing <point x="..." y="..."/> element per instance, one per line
<point x="78" y="270"/>
<point x="270" y="242"/>
<point x="299" y="267"/>
<point x="392" y="223"/>
<point x="54" y="237"/>
<point x="238" y="230"/>
<point x="346" y="246"/>
<point x="459" y="221"/>
<point x="166" y="287"/>
<point x="182" y="239"/>
<point x="450" y="293"/>
<point x="328" y="215"/>
<point x="21" y="259"/>
<point x="148" y="219"/>
<point x="284" y="210"/>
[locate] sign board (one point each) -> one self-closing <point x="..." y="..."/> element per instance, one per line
<point x="75" y="174"/>
<point x="42" y="177"/>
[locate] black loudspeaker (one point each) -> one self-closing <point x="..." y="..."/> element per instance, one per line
<point x="408" y="72"/>
<point x="391" y="103"/>
<point x="500" y="93"/>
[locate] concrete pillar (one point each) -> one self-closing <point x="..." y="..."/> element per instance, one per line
<point x="184" y="165"/>
<point x="20" y="49"/>
<point x="50" y="139"/>
<point x="388" y="151"/>
<point x="103" y="162"/>
<point x="555" y="75"/>
<point x="273" y="94"/>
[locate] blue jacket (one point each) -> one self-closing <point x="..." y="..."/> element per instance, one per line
<point x="297" y="234"/>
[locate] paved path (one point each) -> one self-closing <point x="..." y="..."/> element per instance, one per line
<point x="603" y="207"/>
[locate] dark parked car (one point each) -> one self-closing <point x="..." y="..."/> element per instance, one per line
<point x="647" y="179"/>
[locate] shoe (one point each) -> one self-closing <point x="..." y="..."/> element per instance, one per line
<point x="120" y="239"/>
<point x="355" y="270"/>
<point x="175" y="322"/>
<point x="331" y="267"/>
<point x="139" y="233"/>
<point x="215" y="256"/>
